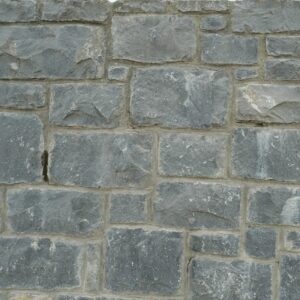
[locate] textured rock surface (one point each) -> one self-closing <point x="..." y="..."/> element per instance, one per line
<point x="277" y="46"/>
<point x="245" y="73"/>
<point x="213" y="22"/>
<point x="282" y="69"/>
<point x="198" y="6"/>
<point x="292" y="240"/>
<point x="145" y="6"/>
<point x="118" y="72"/>
<point x="18" y="10"/>
<point x="93" y="272"/>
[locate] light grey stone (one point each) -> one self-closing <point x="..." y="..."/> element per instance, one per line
<point x="93" y="275"/>
<point x="229" y="49"/>
<point x="143" y="261"/>
<point x="18" y="10"/>
<point x="292" y="240"/>
<point x="75" y="10"/>
<point x="54" y="211"/>
<point x="269" y="103"/>
<point x="197" y="205"/>
<point x="22" y="95"/>
<point x="86" y="105"/>
<point x="21" y="147"/>
<point x="154" y="39"/>
<point x="118" y="72"/>
<point x="282" y="69"/>
<point x="128" y="208"/>
<point x="101" y="160"/>
<point x="287" y="45"/>
<point x="274" y="206"/>
<point x="201" y="6"/>
<point x="245" y="73"/>
<point x="193" y="154"/>
<point x="29" y="296"/>
<point x="2" y="213"/>
<point x="28" y="263"/>
<point x="141" y="6"/>
<point x="265" y="16"/>
<point x="215" y="243"/>
<point x="266" y="154"/>
<point x="213" y="22"/>
<point x="176" y="97"/>
<point x="236" y="280"/>
<point x="261" y="242"/>
<point x="83" y="297"/>
<point x="60" y="51"/>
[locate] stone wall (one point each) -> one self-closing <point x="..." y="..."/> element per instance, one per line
<point x="149" y="150"/>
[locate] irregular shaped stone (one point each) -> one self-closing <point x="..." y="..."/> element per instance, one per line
<point x="29" y="296"/>
<point x="101" y="160"/>
<point x="28" y="263"/>
<point x="287" y="45"/>
<point x="265" y="16"/>
<point x="154" y="39"/>
<point x="261" y="242"/>
<point x="236" y="280"/>
<point x="93" y="277"/>
<point x="266" y="154"/>
<point x="143" y="261"/>
<point x="128" y="208"/>
<point x="282" y="69"/>
<point x="86" y="105"/>
<point x="289" y="277"/>
<point x="199" y="6"/>
<point x="229" y="49"/>
<point x="292" y="240"/>
<point x="218" y="244"/>
<point x="21" y="147"/>
<point x="118" y="72"/>
<point x="269" y="103"/>
<point x="245" y="73"/>
<point x="54" y="211"/>
<point x="60" y="51"/>
<point x="192" y="155"/>
<point x="177" y="97"/>
<point x="274" y="206"/>
<point x="75" y="10"/>
<point x="141" y="6"/>
<point x="18" y="10"/>
<point x="22" y="95"/>
<point x="197" y="205"/>
<point x="213" y="22"/>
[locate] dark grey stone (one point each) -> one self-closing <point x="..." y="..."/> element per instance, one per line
<point x="60" y="51"/>
<point x="177" y="97"/>
<point x="229" y="49"/>
<point x="218" y="244"/>
<point x="143" y="261"/>
<point x="245" y="73"/>
<point x="18" y="10"/>
<point x="213" y="22"/>
<point x="282" y="69"/>
<point x="93" y="273"/>
<point x="201" y="6"/>
<point x="288" y="45"/>
<point x="87" y="105"/>
<point x="237" y="280"/>
<point x="261" y="242"/>
<point x="193" y="155"/>
<point x="54" y="211"/>
<point x="266" y="154"/>
<point x="269" y="103"/>
<point x="101" y="160"/>
<point x="141" y="6"/>
<point x="118" y="72"/>
<point x="28" y="263"/>
<point x="292" y="240"/>
<point x="154" y="39"/>
<point x="197" y="205"/>
<point x="21" y="147"/>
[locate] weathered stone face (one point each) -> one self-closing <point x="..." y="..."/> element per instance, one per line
<point x="292" y="240"/>
<point x="118" y="72"/>
<point x="18" y="11"/>
<point x="289" y="45"/>
<point x="141" y="6"/>
<point x="282" y="69"/>
<point x="245" y="73"/>
<point x="199" y="6"/>
<point x="213" y="23"/>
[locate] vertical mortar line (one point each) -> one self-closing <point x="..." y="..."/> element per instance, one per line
<point x="187" y="260"/>
<point x="126" y="112"/>
<point x="243" y="226"/>
<point x="276" y="268"/>
<point x="4" y="213"/>
<point x="262" y="54"/>
<point x="108" y="43"/>
<point x="84" y="267"/>
<point x="39" y="8"/>
<point x="197" y="21"/>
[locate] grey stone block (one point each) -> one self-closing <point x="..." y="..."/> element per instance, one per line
<point x="201" y="6"/>
<point x="215" y="243"/>
<point x="197" y="205"/>
<point x="93" y="273"/>
<point x="143" y="261"/>
<point x="245" y="73"/>
<point x="86" y="105"/>
<point x="18" y="10"/>
<point x="28" y="263"/>
<point x="229" y="49"/>
<point x="213" y="22"/>
<point x="118" y="72"/>
<point x="266" y="154"/>
<point x="177" y="97"/>
<point x="288" y="45"/>
<point x="141" y="6"/>
<point x="2" y="213"/>
<point x="21" y="147"/>
<point x="29" y="296"/>
<point x="237" y="280"/>
<point x="282" y="69"/>
<point x="101" y="160"/>
<point x="292" y="240"/>
<point x="60" y="51"/>
<point x="269" y="103"/>
<point x="154" y="39"/>
<point x="54" y="211"/>
<point x="193" y="155"/>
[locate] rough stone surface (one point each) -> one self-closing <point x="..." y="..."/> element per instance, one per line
<point x="229" y="49"/>
<point x="87" y="105"/>
<point x="54" y="211"/>
<point x="266" y="154"/>
<point x="28" y="296"/>
<point x="154" y="39"/>
<point x="68" y="51"/>
<point x="237" y="280"/>
<point x="101" y="160"/>
<point x="289" y="45"/>
<point x="143" y="261"/>
<point x="18" y="10"/>
<point x="193" y="155"/>
<point x="197" y="205"/>
<point x="93" y="272"/>
<point x="292" y="240"/>
<point x="245" y="73"/>
<point x="218" y="244"/>
<point x="141" y="6"/>
<point x="213" y="22"/>
<point x="201" y="6"/>
<point x="180" y="97"/>
<point x="2" y="210"/>
<point x="282" y="69"/>
<point x="118" y="72"/>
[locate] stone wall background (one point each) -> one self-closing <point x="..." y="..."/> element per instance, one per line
<point x="149" y="149"/>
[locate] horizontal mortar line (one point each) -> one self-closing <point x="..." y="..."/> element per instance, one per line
<point x="37" y="23"/>
<point x="58" y="80"/>
<point x="273" y="226"/>
<point x="250" y="124"/>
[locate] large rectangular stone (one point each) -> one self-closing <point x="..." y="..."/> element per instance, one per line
<point x="266" y="154"/>
<point x="282" y="69"/>
<point x="197" y="205"/>
<point x="155" y="39"/>
<point x="101" y="160"/>
<point x="177" y="97"/>
<point x="60" y="51"/>
<point x="18" y="10"/>
<point x="287" y="45"/>
<point x="141" y="6"/>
